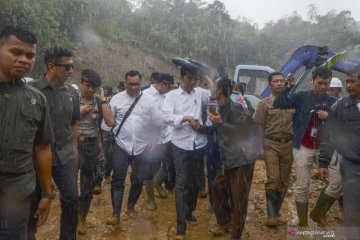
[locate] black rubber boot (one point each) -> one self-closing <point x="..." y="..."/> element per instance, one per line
<point x="323" y="204"/>
<point x="271" y="203"/>
<point x="116" y="201"/>
<point x="134" y="194"/>
<point x="279" y="201"/>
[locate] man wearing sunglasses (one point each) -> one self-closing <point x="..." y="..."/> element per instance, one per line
<point x="63" y="101"/>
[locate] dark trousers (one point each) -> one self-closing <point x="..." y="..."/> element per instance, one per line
<point x="165" y="173"/>
<point x="144" y="167"/>
<point x="202" y="187"/>
<point x="168" y="167"/>
<point x="88" y="155"/>
<point x="65" y="179"/>
<point x="212" y="162"/>
<point x="239" y="181"/>
<point x="187" y="183"/>
<point x="14" y="217"/>
<point x="350" y="174"/>
<point x="108" y="155"/>
<point x="108" y="152"/>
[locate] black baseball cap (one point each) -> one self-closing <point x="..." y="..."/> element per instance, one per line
<point x="166" y="78"/>
<point x="91" y="77"/>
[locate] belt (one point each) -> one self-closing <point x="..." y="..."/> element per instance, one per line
<point x="86" y="139"/>
<point x="280" y="140"/>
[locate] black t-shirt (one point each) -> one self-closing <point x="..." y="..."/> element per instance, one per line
<point x="64" y="107"/>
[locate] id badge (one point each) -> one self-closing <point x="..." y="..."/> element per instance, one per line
<point x="313" y="132"/>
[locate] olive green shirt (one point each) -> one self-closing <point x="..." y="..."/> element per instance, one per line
<point x="276" y="122"/>
<point x="24" y="121"/>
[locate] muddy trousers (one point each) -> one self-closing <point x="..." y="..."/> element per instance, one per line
<point x="238" y="181"/>
<point x="212" y="162"/>
<point x="88" y="155"/>
<point x="139" y="172"/>
<point x="334" y="188"/>
<point x="187" y="169"/>
<point x="303" y="159"/>
<point x="278" y="162"/>
<point x="350" y="173"/>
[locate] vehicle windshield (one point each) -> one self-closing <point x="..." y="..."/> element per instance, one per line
<point x="255" y="80"/>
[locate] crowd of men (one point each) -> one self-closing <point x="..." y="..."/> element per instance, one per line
<point x="51" y="132"/>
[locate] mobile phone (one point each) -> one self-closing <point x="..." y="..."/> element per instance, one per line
<point x="212" y="109"/>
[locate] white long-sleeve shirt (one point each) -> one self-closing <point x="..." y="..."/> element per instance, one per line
<point x="178" y="103"/>
<point x="159" y="101"/>
<point x="137" y="131"/>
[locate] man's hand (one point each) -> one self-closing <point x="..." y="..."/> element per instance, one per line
<point x="43" y="210"/>
<point x="195" y="124"/>
<point x="290" y="80"/>
<point x="215" y="118"/>
<point x="101" y="94"/>
<point x="85" y="109"/>
<point x="322" y="114"/>
<point x="323" y="174"/>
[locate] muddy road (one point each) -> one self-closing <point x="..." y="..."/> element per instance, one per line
<point x="161" y="223"/>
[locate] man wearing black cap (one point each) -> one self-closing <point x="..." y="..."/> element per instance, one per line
<point x="182" y="109"/>
<point x="92" y="109"/>
<point x="63" y="101"/>
<point x="163" y="84"/>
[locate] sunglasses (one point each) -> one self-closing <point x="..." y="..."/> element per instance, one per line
<point x="67" y="67"/>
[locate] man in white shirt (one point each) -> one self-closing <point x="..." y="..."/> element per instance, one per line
<point x="163" y="84"/>
<point x="132" y="144"/>
<point x="182" y="110"/>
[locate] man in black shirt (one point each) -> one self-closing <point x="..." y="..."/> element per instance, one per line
<point x="25" y="134"/>
<point x="342" y="133"/>
<point x="64" y="107"/>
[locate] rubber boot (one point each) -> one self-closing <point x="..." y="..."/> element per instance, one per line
<point x="279" y="201"/>
<point x="150" y="205"/>
<point x="81" y="225"/>
<point x="271" y="209"/>
<point x="323" y="204"/>
<point x="116" y="200"/>
<point x="302" y="211"/>
<point x="134" y="194"/>
<point x="158" y="179"/>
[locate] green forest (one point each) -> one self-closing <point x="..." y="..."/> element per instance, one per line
<point x="179" y="28"/>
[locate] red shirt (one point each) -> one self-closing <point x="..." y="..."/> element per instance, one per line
<point x="309" y="141"/>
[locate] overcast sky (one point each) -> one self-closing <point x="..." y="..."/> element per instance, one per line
<point x="262" y="11"/>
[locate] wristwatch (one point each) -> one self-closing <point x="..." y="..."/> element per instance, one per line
<point x="103" y="102"/>
<point x="50" y="195"/>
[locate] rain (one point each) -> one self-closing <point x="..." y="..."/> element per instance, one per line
<point x="113" y="37"/>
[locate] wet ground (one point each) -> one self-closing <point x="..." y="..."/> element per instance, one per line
<point x="161" y="224"/>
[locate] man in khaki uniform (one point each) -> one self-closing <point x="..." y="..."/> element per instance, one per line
<point x="275" y="146"/>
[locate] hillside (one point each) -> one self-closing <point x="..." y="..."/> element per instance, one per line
<point x="114" y="58"/>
